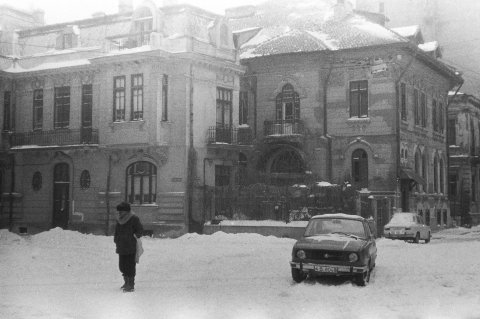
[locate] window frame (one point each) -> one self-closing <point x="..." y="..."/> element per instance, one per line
<point x="224" y="104"/>
<point x="62" y="103"/>
<point x="165" y="98"/>
<point x="243" y="108"/>
<point x="403" y="101"/>
<point x="289" y="96"/>
<point x="360" y="168"/>
<point x="134" y="176"/>
<point x="37" y="117"/>
<point x="136" y="97"/>
<point x="7" y="111"/>
<point x="358" y="97"/>
<point x="119" y="98"/>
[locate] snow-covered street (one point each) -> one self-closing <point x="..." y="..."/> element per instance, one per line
<point x="65" y="274"/>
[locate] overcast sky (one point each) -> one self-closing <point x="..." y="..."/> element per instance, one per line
<point x="68" y="10"/>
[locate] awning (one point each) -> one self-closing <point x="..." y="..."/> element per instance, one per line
<point x="406" y="173"/>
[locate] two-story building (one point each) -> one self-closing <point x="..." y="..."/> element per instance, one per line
<point x="348" y="101"/>
<point x="138" y="106"/>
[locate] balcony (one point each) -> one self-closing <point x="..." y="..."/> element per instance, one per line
<point x="60" y="137"/>
<point x="219" y="135"/>
<point x="128" y="41"/>
<point x="284" y="129"/>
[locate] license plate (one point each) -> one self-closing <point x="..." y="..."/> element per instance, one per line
<point x="327" y="269"/>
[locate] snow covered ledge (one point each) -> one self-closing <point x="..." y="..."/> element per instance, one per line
<point x="279" y="229"/>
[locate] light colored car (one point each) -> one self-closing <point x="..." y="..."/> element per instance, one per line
<point x="407" y="226"/>
<point x="335" y="245"/>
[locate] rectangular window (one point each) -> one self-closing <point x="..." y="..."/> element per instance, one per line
<point x="416" y="110"/>
<point x="434" y="115"/>
<point x="224" y="107"/>
<point x="165" y="97"/>
<point x="423" y="105"/>
<point x="474" y="187"/>
<point x="7" y="100"/>
<point x="222" y="175"/>
<point x="137" y="97"/>
<point x="67" y="40"/>
<point x="87" y="101"/>
<point x="403" y="100"/>
<point x="452" y="132"/>
<point x="37" y="109"/>
<point x="441" y="118"/>
<point x="243" y="108"/>
<point x="452" y="185"/>
<point x="119" y="98"/>
<point x="359" y="98"/>
<point x="62" y="107"/>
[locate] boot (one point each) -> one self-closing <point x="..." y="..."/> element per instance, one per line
<point x="124" y="282"/>
<point x="130" y="284"/>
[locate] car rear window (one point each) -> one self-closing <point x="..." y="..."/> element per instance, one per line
<point x="402" y="219"/>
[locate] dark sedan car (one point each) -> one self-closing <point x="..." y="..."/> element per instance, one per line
<point x="335" y="244"/>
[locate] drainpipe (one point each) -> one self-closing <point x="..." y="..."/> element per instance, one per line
<point x="325" y="121"/>
<point x="12" y="189"/>
<point x="397" y="123"/>
<point x="107" y="194"/>
<point x="190" y="159"/>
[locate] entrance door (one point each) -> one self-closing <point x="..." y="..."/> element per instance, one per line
<point x="61" y="195"/>
<point x="405" y="194"/>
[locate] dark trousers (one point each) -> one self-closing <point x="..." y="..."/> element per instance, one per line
<point x="127" y="265"/>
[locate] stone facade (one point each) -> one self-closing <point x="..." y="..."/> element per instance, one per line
<point x="115" y="108"/>
<point x="464" y="152"/>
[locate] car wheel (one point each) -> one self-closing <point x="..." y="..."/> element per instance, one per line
<point x="427" y="240"/>
<point x="363" y="279"/>
<point x="417" y="238"/>
<point x="298" y="275"/>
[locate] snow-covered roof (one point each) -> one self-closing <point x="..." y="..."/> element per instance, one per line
<point x="354" y="31"/>
<point x="48" y="66"/>
<point x="408" y="31"/>
<point x="339" y="215"/>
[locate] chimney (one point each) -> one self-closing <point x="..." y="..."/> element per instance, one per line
<point x="340" y="10"/>
<point x="39" y="17"/>
<point x="125" y="6"/>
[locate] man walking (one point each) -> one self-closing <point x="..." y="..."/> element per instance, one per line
<point x="127" y="230"/>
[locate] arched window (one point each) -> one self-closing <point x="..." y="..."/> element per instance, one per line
<point x="143" y="25"/>
<point x="435" y="174"/>
<point x="85" y="179"/>
<point x="418" y="165"/>
<point x="424" y="165"/>
<point x="37" y="181"/>
<point x="442" y="176"/>
<point x="360" y="169"/>
<point x="287" y="104"/>
<point x="288" y="161"/>
<point x="141" y="183"/>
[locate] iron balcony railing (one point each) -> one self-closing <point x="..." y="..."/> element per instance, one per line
<point x="284" y="128"/>
<point x="230" y="135"/>
<point x="129" y="41"/>
<point x="55" y="137"/>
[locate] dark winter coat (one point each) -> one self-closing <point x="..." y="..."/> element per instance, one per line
<point x="124" y="235"/>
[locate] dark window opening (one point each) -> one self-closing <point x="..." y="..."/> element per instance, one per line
<point x="37" y="109"/>
<point x="287" y="104"/>
<point x="222" y="175"/>
<point x="137" y="97"/>
<point x="224" y="107"/>
<point x="141" y="183"/>
<point x="243" y="108"/>
<point x="119" y="98"/>
<point x="359" y="99"/>
<point x="165" y="97"/>
<point x="62" y="107"/>
<point x="360" y="169"/>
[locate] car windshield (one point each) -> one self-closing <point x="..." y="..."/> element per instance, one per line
<point x="322" y="226"/>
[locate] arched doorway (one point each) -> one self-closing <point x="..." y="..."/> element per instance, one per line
<point x="360" y="168"/>
<point x="61" y="195"/>
<point x="286" y="167"/>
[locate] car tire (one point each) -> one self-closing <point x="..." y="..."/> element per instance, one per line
<point x="417" y="238"/>
<point x="427" y="240"/>
<point x="363" y="278"/>
<point x="298" y="275"/>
